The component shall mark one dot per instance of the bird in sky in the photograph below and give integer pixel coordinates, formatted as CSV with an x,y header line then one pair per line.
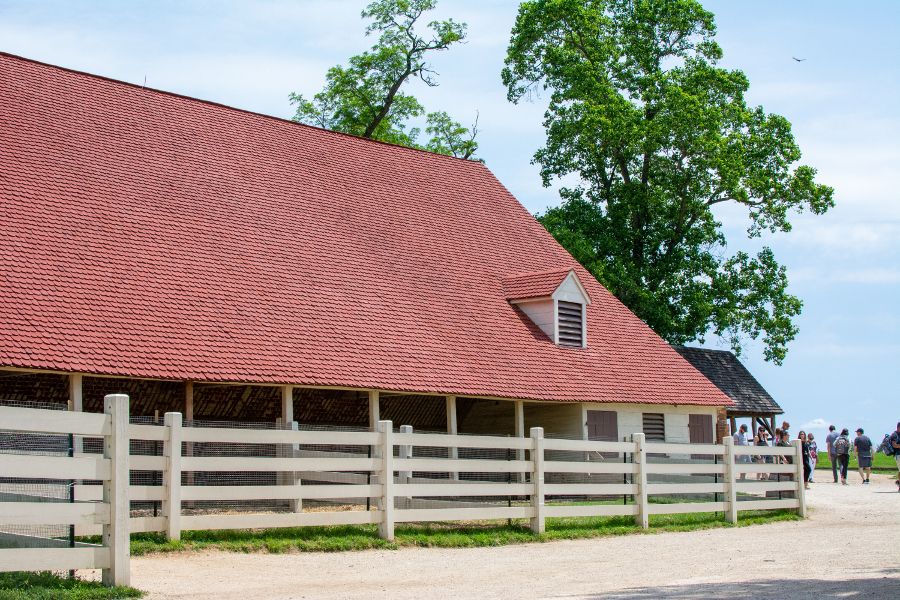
x,y
798,59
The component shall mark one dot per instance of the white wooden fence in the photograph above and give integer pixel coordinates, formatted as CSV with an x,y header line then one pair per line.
x,y
109,512
547,474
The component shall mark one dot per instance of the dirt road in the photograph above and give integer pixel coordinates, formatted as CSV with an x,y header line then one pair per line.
x,y
841,551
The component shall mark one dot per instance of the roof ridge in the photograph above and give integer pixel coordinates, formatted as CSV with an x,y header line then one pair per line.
x,y
234,108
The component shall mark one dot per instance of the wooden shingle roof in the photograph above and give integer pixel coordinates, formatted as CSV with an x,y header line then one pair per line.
x,y
149,235
728,374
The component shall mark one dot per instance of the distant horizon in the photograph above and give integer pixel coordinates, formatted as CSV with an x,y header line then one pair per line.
x,y
842,99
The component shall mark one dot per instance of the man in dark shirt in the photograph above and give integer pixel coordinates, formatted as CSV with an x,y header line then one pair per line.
x,y
829,443
862,445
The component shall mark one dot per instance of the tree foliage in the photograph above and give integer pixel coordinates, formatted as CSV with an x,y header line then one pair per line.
x,y
366,97
656,134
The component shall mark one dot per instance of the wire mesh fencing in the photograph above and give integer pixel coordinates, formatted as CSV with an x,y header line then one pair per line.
x,y
22,489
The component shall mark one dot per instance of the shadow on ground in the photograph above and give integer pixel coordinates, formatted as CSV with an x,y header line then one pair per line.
x,y
884,583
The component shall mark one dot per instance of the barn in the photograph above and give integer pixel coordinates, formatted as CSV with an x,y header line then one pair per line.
x,y
239,267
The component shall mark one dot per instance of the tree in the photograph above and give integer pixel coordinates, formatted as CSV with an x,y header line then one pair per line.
x,y
656,134
366,99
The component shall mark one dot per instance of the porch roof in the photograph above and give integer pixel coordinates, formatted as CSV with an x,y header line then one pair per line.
x,y
730,375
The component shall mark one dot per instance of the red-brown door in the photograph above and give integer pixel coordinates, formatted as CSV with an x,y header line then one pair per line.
x,y
700,429
603,425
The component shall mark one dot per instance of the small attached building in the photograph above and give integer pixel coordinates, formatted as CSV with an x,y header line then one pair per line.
x,y
236,266
751,400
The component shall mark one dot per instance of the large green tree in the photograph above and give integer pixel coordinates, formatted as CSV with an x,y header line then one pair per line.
x,y
655,135
366,97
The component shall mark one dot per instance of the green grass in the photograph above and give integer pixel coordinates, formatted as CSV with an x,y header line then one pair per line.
x,y
47,586
881,463
449,535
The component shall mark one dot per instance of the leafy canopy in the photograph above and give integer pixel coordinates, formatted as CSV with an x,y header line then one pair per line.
x,y
656,134
366,97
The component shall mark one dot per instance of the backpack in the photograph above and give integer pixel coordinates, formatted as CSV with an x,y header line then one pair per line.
x,y
886,446
841,446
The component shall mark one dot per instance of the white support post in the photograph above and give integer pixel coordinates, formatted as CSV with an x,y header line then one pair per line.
x,y
296,503
452,429
287,403
374,409
520,432
801,484
731,506
189,400
642,518
538,520
189,417
115,492
171,504
386,523
76,404
406,451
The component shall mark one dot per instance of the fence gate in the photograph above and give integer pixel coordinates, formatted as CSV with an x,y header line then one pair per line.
x,y
40,462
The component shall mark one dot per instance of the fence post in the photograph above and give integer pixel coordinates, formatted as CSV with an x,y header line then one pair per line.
x,y
642,518
115,492
386,524
731,506
801,483
538,520
172,475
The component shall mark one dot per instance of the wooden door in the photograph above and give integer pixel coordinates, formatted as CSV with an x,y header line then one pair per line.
x,y
700,428
603,425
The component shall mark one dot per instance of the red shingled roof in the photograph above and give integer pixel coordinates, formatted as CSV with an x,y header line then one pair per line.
x,y
533,285
151,235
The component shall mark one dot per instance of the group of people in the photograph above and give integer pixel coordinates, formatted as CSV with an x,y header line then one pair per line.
x,y
782,438
838,445
839,449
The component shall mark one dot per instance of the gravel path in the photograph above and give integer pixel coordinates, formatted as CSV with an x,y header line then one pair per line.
x,y
839,552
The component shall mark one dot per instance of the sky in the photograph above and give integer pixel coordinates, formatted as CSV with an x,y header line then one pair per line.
x,y
844,365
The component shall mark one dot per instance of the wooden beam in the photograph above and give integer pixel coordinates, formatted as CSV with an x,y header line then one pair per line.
x,y
452,429
520,418
451,415
287,403
76,398
520,432
374,410
189,400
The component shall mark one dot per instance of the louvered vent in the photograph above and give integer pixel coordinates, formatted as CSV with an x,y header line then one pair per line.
x,y
654,427
571,331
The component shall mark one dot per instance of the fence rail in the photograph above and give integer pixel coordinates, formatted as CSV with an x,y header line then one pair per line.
x,y
363,477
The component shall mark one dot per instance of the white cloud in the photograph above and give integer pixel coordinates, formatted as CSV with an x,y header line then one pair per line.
x,y
818,423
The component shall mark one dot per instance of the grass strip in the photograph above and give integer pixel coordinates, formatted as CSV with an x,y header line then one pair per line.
x,y
47,586
881,463
436,535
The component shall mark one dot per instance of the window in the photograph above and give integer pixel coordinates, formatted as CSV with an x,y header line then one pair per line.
x,y
570,323
654,427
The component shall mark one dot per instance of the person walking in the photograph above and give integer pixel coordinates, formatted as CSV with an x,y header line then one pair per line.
x,y
740,439
761,439
842,453
813,455
807,465
895,444
829,444
862,445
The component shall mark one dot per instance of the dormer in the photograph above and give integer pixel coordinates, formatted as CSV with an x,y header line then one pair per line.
x,y
555,301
